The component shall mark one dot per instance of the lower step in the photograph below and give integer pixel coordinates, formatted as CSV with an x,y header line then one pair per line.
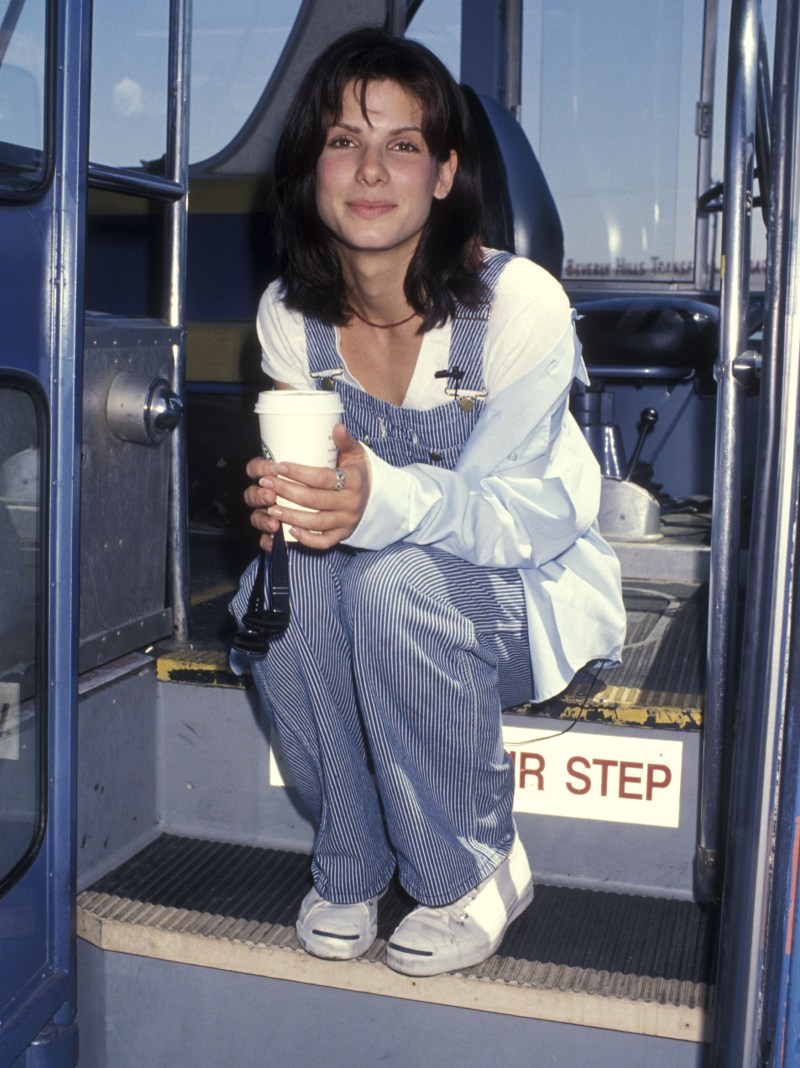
x,y
635,964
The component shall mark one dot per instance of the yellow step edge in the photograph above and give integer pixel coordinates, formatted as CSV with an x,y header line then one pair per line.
x,y
209,667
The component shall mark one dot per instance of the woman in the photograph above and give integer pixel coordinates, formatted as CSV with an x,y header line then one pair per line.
x,y
452,564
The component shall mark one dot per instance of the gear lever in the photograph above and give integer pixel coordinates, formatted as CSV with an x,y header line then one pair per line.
x,y
649,418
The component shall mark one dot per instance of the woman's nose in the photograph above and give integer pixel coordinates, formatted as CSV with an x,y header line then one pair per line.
x,y
371,165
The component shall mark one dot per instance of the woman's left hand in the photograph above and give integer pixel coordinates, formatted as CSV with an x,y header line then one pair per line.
x,y
336,512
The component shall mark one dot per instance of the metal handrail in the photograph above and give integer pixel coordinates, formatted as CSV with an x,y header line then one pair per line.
x,y
726,514
704,126
757,767
512,33
177,169
171,188
135,183
763,119
396,17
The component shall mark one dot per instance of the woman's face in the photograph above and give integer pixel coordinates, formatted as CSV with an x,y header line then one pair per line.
x,y
375,178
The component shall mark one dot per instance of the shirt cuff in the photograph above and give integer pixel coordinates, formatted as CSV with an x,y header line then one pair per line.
x,y
386,517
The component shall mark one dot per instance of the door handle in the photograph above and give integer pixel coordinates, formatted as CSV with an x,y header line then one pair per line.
x,y
142,409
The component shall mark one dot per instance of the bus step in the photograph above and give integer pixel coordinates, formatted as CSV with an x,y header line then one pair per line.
x,y
626,963
658,684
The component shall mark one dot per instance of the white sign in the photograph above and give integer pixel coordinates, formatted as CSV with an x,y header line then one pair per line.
x,y
596,776
583,776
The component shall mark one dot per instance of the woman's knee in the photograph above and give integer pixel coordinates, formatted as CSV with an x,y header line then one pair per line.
x,y
313,583
384,582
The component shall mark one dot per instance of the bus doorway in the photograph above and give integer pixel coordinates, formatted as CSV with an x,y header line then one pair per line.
x,y
191,852
43,153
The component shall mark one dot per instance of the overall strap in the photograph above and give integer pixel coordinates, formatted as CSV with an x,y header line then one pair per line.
x,y
466,342
469,331
324,362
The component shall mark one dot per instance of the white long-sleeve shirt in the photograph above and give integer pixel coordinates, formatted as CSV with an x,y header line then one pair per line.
x,y
525,492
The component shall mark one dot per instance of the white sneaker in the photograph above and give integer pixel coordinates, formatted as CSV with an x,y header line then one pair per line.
x,y
451,937
336,932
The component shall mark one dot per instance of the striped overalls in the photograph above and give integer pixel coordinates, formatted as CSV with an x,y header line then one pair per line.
x,y
386,689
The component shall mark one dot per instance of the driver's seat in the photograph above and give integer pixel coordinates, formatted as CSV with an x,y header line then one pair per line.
x,y
635,338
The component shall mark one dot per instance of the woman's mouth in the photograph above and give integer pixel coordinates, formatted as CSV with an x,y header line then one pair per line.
x,y
369,209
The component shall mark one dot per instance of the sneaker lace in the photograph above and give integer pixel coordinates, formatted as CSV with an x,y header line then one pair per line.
x,y
442,916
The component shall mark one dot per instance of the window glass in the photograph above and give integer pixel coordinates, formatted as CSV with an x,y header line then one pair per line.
x,y
437,24
235,46
21,703
129,82
758,233
23,36
609,89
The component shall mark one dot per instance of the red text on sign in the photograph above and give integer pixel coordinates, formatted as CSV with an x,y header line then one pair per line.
x,y
631,780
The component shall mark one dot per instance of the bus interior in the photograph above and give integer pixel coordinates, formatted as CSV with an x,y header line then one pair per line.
x,y
153,855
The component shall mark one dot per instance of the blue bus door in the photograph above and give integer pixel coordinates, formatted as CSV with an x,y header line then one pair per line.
x,y
44,48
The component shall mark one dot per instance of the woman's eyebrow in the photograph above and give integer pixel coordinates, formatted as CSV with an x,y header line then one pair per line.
x,y
391,133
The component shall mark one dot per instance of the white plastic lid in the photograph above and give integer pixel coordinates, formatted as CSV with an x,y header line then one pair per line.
x,y
296,401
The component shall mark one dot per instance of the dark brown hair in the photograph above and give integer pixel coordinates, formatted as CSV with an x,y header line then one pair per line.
x,y
443,270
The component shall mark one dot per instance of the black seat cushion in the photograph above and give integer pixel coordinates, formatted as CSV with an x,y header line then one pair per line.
x,y
643,331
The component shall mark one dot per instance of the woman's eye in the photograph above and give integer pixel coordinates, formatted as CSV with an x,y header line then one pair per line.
x,y
406,146
340,141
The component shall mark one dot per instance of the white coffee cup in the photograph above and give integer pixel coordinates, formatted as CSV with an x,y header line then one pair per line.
x,y
297,427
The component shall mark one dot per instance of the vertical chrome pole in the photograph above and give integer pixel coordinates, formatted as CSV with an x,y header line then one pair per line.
x,y
177,169
396,17
64,366
763,119
726,518
512,91
703,247
764,776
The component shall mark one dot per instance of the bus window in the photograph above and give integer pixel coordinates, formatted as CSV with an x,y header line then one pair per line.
x,y
22,96
437,25
21,604
608,102
129,79
758,252
235,47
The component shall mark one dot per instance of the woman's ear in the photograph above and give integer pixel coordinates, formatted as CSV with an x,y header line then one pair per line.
x,y
447,172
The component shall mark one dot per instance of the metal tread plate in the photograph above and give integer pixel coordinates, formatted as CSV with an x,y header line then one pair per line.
x,y
608,960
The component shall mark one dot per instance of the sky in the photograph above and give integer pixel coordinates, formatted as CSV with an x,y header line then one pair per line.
x,y
609,93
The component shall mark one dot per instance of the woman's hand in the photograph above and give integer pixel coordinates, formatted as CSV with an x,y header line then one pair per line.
x,y
336,512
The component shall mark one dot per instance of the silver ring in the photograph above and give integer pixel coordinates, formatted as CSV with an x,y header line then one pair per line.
x,y
339,479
